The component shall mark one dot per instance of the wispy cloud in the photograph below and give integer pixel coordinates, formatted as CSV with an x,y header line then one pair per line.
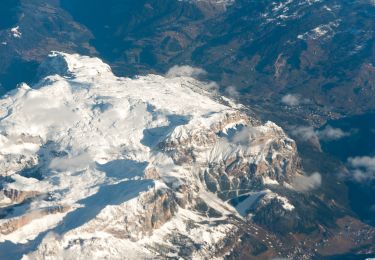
x,y
304,132
245,135
362,168
194,72
291,100
42,110
330,133
306,183
232,92
294,100
211,86
71,163
185,71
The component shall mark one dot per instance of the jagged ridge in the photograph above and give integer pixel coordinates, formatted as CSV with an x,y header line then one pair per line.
x,y
104,160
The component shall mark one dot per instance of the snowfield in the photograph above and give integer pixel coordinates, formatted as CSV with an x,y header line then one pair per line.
x,y
97,166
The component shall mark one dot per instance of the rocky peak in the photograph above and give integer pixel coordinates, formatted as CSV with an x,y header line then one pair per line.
x,y
132,159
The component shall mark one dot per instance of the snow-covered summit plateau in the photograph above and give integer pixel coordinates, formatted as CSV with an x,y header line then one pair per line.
x,y
93,165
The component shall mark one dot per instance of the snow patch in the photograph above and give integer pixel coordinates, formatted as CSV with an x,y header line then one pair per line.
x,y
15,31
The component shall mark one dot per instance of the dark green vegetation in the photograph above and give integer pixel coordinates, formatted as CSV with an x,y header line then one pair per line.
x,y
323,51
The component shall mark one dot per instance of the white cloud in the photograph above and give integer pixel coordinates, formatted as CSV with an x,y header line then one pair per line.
x,y
308,133
362,168
193,72
185,71
306,183
244,136
232,92
54,116
291,100
211,86
330,133
304,132
41,111
294,100
16,32
71,163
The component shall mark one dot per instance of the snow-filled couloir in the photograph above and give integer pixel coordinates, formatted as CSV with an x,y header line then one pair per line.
x,y
96,165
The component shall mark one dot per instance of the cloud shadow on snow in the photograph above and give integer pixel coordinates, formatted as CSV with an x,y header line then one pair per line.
x,y
153,136
123,169
108,195
112,194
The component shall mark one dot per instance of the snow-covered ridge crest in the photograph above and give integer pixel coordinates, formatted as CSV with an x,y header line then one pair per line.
x,y
74,65
94,160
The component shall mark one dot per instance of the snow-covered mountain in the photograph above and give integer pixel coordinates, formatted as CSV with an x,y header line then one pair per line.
x,y
93,165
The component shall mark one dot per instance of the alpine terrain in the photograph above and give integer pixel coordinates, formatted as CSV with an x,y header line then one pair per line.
x,y
187,129
97,165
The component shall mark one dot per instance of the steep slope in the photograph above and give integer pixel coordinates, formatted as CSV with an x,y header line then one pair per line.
x,y
93,165
89,159
29,30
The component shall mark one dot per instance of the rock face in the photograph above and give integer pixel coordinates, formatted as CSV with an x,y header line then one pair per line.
x,y
155,164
